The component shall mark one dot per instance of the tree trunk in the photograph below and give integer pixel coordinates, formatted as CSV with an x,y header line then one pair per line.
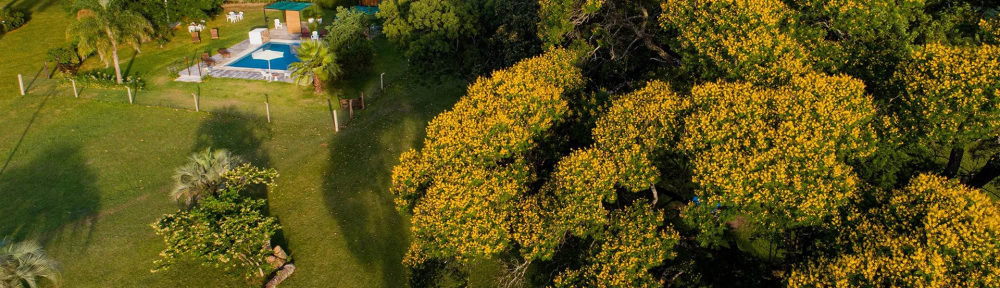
x,y
954,162
988,173
656,196
280,276
316,84
114,54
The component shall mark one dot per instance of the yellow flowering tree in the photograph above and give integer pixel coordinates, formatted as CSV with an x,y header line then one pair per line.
x,y
635,127
775,157
990,29
634,242
933,233
742,40
471,187
463,186
864,38
952,99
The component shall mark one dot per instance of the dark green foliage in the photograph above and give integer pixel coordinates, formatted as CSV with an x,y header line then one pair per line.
x,y
348,38
163,14
10,20
314,11
102,79
176,10
333,4
64,55
470,37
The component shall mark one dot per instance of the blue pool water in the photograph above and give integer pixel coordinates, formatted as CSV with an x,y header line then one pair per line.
x,y
276,64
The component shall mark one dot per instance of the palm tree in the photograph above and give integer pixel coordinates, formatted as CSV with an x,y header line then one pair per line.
x,y
318,62
22,263
104,26
203,175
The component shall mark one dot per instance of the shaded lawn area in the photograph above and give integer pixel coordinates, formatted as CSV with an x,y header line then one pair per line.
x,y
87,177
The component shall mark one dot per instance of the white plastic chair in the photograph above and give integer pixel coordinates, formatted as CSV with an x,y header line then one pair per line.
x,y
277,23
240,16
311,20
320,20
267,76
315,36
231,17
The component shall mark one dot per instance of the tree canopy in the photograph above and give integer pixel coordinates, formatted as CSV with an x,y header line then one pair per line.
x,y
933,233
677,137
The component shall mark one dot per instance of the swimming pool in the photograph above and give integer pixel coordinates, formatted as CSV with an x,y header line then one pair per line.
x,y
276,64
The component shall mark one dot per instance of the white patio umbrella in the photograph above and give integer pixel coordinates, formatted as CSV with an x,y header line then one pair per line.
x,y
267,55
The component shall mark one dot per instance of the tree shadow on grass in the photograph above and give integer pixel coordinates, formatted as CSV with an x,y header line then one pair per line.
x,y
243,134
358,176
53,190
239,132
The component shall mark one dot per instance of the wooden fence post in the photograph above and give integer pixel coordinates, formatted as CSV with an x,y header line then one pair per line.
x,y
268,107
199,68
362,100
381,81
75,94
196,107
336,124
350,105
47,75
129,94
188,60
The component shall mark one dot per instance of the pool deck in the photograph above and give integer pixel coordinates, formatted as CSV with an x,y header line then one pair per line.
x,y
221,70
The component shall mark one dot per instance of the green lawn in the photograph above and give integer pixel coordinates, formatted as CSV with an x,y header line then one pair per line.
x,y
87,176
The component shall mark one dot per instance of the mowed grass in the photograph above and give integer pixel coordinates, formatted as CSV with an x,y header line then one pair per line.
x,y
87,176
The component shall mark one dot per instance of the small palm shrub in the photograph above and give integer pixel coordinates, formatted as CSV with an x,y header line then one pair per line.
x,y
22,263
204,175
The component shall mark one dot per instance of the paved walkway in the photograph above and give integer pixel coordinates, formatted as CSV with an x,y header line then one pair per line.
x,y
237,51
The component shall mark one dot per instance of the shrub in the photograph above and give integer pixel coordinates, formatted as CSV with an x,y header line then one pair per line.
x,y
104,80
228,229
348,39
314,11
65,57
10,20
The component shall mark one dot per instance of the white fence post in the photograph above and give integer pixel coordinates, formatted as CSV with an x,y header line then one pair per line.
x,y
20,81
75,94
336,124
268,107
129,94
196,108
